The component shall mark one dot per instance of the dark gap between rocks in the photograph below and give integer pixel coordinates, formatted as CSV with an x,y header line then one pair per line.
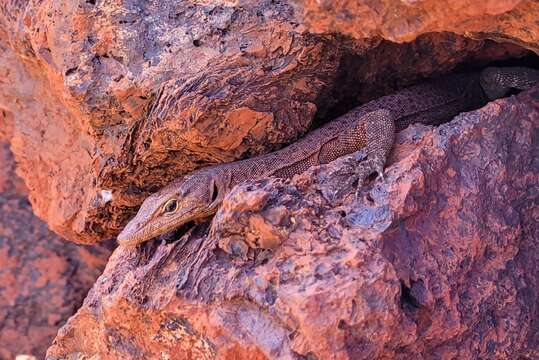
x,y
390,67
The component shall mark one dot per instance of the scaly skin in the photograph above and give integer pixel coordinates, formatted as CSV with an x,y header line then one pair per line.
x,y
370,127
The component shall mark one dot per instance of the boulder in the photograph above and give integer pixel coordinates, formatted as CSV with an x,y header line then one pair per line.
x,y
43,278
437,260
111,100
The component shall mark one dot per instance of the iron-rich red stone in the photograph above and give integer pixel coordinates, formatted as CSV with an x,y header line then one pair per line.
x,y
436,261
81,80
43,278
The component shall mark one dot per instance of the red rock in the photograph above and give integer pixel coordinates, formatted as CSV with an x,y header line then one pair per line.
x,y
82,79
104,102
43,278
436,261
402,21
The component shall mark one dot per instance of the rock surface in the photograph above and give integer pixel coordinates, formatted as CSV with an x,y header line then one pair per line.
x,y
501,20
439,260
43,278
104,102
110,100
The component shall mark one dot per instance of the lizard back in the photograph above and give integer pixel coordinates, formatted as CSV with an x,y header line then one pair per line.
x,y
429,103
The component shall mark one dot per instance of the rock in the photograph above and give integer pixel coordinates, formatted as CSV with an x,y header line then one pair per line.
x,y
438,260
111,100
103,79
43,278
400,21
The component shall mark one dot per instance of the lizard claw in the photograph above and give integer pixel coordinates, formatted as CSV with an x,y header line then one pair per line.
x,y
360,180
356,194
365,170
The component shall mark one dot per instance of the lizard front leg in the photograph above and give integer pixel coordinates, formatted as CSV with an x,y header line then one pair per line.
x,y
375,131
380,134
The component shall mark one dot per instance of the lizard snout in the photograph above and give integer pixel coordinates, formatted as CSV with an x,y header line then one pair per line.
x,y
128,235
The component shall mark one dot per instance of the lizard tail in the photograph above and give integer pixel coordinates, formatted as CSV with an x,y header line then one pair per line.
x,y
498,81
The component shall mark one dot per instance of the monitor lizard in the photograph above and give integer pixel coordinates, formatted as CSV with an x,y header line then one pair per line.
x,y
370,128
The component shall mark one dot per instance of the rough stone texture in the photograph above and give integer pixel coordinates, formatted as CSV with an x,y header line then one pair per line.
x,y
247,77
43,278
110,100
437,261
512,21
104,102
10,184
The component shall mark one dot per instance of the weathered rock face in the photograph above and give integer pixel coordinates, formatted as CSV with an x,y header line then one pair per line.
x,y
111,100
439,260
107,101
501,20
97,66
43,278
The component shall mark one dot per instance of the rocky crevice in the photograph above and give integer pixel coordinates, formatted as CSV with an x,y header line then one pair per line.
x,y
430,262
106,102
231,81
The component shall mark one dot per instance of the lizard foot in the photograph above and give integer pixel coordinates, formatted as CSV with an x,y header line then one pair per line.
x,y
372,165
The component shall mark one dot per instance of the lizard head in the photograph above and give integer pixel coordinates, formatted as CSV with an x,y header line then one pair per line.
x,y
186,199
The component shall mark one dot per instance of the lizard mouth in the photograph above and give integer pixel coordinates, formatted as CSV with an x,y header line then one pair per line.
x,y
136,233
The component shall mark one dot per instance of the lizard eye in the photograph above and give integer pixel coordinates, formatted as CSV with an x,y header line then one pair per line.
x,y
170,206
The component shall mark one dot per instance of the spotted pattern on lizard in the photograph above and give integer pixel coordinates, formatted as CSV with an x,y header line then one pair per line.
x,y
370,128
